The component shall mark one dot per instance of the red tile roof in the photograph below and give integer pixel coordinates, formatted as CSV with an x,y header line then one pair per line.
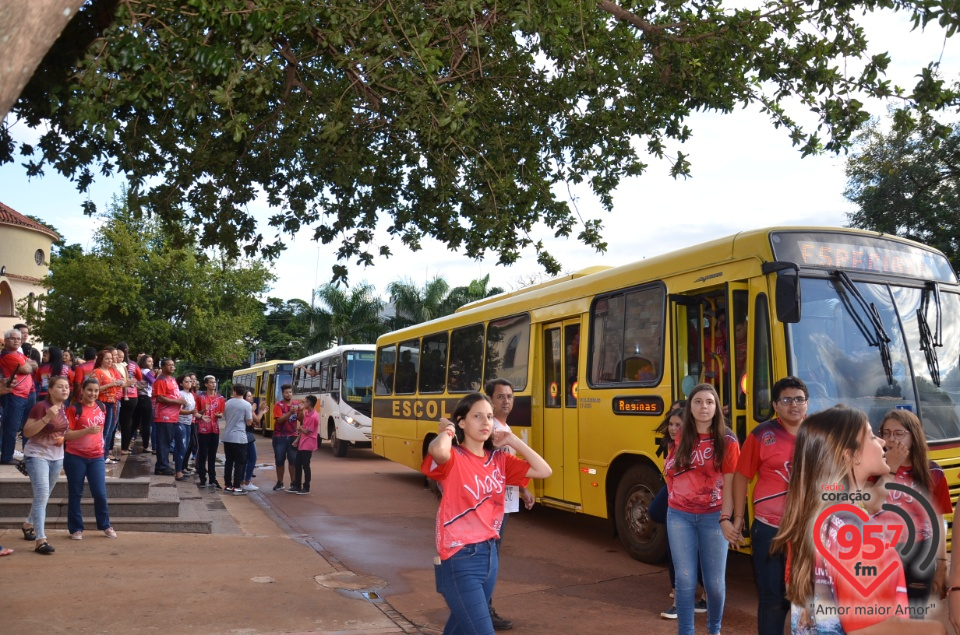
x,y
9,216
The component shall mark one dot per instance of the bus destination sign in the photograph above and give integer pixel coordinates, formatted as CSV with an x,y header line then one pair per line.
x,y
650,405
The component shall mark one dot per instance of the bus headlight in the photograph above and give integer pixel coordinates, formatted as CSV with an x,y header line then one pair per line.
x,y
352,421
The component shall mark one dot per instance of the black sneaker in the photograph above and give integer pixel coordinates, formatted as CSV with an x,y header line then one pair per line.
x,y
305,490
279,485
499,623
215,485
293,489
164,473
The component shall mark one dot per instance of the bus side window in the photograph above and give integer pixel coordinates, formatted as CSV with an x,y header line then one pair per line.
x,y
324,376
466,359
386,360
433,363
507,350
407,367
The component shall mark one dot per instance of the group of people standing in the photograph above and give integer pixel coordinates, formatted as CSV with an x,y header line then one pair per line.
x,y
798,463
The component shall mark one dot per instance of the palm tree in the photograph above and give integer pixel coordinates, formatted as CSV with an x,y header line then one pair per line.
x,y
478,289
345,317
413,305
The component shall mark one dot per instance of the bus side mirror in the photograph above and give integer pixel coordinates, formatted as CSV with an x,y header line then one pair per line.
x,y
787,294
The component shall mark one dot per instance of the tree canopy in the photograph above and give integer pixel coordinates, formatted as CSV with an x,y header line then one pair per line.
x,y
136,286
454,119
906,181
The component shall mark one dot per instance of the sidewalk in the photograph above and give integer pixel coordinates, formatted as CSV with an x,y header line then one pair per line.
x,y
252,578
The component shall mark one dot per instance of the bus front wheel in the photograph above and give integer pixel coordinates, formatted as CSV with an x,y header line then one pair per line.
x,y
644,539
339,447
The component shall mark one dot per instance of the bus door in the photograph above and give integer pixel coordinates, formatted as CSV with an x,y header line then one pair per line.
x,y
710,347
561,354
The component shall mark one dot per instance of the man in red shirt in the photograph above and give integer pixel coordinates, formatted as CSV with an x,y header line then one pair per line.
x,y
766,456
18,373
284,432
166,414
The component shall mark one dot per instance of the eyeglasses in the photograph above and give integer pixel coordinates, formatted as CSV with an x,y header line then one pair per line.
x,y
786,401
896,434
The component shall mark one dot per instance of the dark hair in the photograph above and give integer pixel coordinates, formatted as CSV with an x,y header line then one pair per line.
x,y
122,346
286,387
142,360
21,326
491,386
311,400
181,378
100,356
919,461
56,361
788,382
89,380
676,409
165,360
460,413
89,354
689,435
239,390
34,353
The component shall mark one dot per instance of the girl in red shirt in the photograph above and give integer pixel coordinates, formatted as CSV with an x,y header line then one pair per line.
x,y
906,455
473,475
699,473
111,384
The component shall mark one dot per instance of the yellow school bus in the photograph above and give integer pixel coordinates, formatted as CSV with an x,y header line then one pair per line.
x,y
265,380
597,357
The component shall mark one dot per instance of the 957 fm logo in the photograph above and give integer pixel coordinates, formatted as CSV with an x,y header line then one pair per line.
x,y
861,551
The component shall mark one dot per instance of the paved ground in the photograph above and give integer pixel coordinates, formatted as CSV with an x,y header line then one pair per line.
x,y
352,558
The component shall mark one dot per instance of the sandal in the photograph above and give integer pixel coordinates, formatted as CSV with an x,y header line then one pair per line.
x,y
28,533
45,548
5,552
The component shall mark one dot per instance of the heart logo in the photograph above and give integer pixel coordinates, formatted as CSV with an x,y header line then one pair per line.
x,y
838,566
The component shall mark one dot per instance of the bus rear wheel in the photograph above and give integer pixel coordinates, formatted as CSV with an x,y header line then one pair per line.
x,y
644,539
339,447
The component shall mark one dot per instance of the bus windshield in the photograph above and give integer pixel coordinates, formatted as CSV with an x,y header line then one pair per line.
x,y
838,349
357,386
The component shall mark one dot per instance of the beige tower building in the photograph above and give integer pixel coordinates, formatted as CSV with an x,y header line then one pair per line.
x,y
24,261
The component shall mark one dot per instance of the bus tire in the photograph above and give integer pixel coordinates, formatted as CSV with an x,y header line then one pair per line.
x,y
339,447
643,539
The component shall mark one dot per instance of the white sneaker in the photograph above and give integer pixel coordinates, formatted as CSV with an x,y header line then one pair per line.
x,y
17,454
249,488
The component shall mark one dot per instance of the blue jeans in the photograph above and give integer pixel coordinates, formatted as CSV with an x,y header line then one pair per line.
x,y
251,458
769,570
43,476
110,419
283,451
165,434
700,538
14,409
180,438
467,579
78,468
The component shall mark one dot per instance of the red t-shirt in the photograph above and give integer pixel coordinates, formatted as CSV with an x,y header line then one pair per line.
x,y
42,378
88,446
108,394
10,362
209,407
832,589
133,372
768,451
939,498
166,387
285,428
471,509
698,489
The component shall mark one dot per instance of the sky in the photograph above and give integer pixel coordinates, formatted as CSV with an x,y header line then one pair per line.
x,y
745,175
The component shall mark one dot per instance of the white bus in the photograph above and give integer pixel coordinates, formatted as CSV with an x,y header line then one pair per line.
x,y
341,379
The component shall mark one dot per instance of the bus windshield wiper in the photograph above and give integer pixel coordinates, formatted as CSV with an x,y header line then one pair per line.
x,y
868,314
928,342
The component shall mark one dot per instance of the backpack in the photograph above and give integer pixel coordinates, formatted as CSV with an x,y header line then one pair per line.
x,y
79,407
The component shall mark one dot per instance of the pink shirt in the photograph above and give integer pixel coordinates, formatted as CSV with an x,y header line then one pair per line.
x,y
471,509
311,424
